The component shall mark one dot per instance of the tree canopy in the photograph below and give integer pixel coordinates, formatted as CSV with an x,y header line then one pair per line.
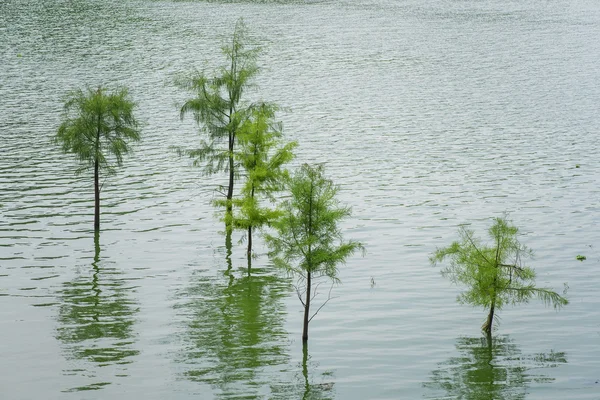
x,y
97,127
218,107
262,156
309,242
493,274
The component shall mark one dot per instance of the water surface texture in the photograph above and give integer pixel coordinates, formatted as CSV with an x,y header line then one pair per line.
x,y
429,114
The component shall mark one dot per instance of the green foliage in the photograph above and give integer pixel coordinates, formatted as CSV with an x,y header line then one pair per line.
x,y
309,243
98,127
581,258
218,109
262,156
309,239
493,274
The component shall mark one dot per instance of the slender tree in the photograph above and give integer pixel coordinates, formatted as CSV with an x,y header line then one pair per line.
x,y
309,243
97,128
218,108
494,274
262,156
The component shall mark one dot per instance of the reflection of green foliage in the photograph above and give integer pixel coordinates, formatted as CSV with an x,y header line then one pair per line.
x,y
96,319
235,330
490,371
304,386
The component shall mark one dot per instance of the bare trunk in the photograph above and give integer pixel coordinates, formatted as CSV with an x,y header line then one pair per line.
x,y
229,210
96,197
97,175
249,241
487,327
306,310
250,229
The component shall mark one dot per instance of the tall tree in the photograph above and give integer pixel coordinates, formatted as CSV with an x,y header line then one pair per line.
x,y
494,274
309,243
97,128
219,110
262,156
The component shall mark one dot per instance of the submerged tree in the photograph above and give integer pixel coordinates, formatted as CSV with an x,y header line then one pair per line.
x,y
97,128
309,244
494,274
262,156
218,108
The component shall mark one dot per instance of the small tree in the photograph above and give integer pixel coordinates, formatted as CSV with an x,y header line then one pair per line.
x,y
494,275
217,107
262,157
309,244
97,127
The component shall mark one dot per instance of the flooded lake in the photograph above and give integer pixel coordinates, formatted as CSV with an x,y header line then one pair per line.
x,y
429,114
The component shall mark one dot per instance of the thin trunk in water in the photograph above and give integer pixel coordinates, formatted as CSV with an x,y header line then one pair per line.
x,y
250,229
96,197
487,327
249,241
306,310
309,267
97,175
229,211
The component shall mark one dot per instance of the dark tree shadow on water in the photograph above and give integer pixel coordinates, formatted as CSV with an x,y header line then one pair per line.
x,y
234,336
96,319
491,369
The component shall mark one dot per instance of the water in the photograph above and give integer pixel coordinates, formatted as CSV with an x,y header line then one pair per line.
x,y
429,114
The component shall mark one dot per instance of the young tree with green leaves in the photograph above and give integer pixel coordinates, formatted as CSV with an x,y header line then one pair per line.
x,y
219,110
97,128
309,243
262,156
494,274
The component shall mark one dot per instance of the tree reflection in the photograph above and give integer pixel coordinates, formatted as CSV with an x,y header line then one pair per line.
x,y
491,369
305,385
235,329
96,319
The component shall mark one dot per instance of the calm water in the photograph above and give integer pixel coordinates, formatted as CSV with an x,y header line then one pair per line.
x,y
429,113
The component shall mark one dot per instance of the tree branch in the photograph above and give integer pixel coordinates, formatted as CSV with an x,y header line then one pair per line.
x,y
323,305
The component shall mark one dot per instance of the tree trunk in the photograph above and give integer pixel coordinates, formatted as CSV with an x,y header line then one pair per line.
x,y
229,211
96,196
249,241
306,310
487,327
250,229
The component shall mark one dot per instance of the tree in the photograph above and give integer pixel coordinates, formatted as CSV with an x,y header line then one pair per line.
x,y
97,128
217,107
309,243
262,157
494,274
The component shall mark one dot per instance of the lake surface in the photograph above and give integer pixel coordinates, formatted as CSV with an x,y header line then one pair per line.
x,y
429,114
